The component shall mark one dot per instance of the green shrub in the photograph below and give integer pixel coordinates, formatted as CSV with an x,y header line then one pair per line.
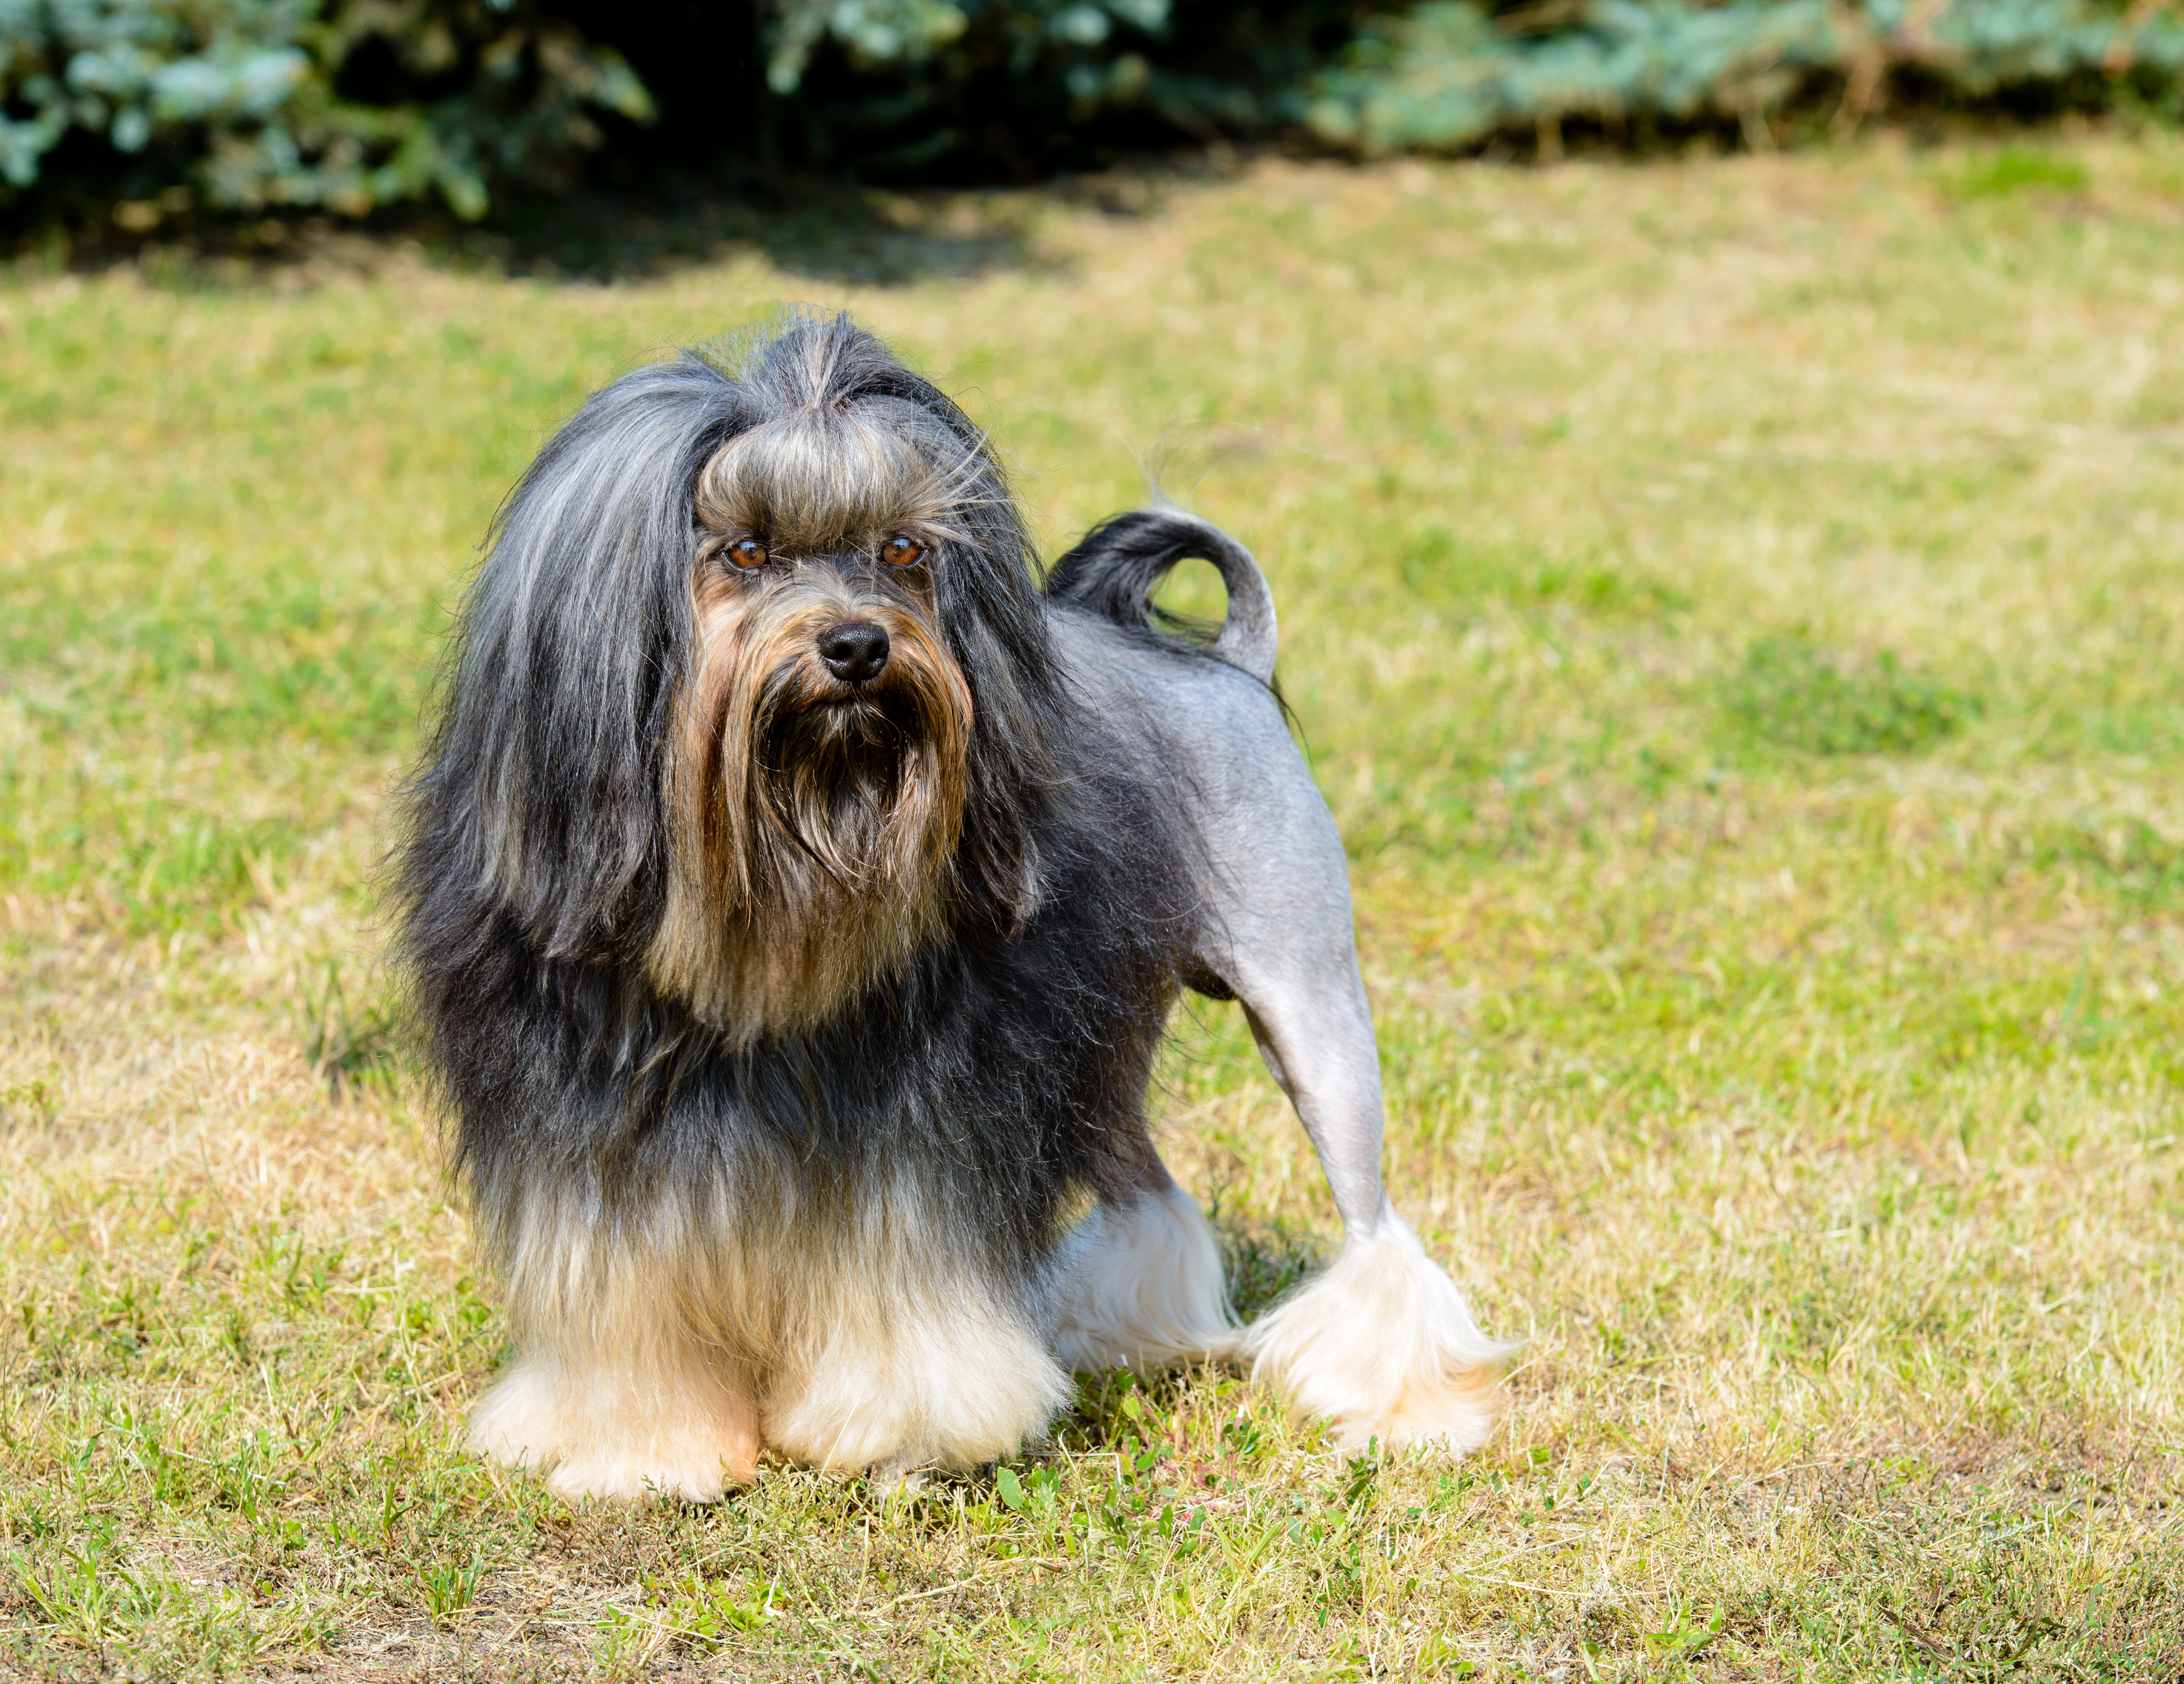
x,y
342,105
1019,87
1449,73
153,106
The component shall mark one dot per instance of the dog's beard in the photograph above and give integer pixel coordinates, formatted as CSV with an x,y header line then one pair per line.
x,y
838,776
814,821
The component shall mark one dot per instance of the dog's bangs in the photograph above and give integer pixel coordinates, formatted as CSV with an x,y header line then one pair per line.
x,y
822,478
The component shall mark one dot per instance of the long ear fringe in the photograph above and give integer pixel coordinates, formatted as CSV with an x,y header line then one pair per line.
x,y
1383,1346
541,789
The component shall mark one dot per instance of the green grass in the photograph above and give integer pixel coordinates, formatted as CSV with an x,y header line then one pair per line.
x,y
1737,611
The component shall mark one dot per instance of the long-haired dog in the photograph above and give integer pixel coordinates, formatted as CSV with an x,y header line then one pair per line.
x,y
795,893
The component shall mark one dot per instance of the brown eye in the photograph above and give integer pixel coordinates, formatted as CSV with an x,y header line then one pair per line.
x,y
900,552
746,553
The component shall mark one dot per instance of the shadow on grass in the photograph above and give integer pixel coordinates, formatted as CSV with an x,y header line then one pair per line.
x,y
824,232
1263,1261
835,234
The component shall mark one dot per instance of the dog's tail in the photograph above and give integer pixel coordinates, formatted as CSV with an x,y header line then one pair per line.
x,y
1116,566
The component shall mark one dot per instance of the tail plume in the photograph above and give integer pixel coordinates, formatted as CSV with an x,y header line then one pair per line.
x,y
1116,566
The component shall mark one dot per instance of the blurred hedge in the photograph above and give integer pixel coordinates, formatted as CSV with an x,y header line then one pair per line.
x,y
341,104
151,107
1448,74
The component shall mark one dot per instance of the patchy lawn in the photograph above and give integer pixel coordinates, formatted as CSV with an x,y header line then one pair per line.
x,y
1736,610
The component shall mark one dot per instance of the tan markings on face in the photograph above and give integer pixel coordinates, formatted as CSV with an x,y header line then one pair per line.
x,y
813,822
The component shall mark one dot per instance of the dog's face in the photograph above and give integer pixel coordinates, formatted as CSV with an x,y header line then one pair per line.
x,y
754,694
816,775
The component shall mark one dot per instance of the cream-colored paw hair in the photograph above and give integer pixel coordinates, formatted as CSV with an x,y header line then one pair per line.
x,y
906,1381
671,1431
1142,1287
1383,1345
615,1393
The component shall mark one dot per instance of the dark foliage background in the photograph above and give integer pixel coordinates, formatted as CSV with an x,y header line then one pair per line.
x,y
143,110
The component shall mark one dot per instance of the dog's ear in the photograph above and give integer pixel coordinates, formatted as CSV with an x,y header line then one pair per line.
x,y
541,795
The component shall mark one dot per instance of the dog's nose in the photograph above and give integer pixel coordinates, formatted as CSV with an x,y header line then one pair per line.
x,y
855,651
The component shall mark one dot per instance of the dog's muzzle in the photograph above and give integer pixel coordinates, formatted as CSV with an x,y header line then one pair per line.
x,y
855,651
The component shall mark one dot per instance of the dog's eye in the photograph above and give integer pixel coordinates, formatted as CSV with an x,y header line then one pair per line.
x,y
746,553
900,552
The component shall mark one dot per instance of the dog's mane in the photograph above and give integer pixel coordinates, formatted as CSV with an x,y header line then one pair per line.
x,y
533,868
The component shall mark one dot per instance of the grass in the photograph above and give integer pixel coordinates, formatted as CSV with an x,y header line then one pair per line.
x,y
1734,609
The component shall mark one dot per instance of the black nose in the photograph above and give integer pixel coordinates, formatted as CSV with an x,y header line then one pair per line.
x,y
855,651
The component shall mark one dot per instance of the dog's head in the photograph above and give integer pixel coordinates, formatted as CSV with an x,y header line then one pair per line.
x,y
755,695
818,768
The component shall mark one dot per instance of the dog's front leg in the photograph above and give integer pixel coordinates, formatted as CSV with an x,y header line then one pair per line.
x,y
611,1395
1381,1343
624,1428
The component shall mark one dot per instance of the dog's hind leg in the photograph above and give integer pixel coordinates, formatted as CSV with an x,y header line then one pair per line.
x,y
1140,1283
1381,1343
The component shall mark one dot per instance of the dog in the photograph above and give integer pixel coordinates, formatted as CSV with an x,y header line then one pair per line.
x,y
794,892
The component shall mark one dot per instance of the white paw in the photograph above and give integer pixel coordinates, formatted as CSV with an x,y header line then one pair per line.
x,y
638,1479
603,1436
915,1382
1143,1288
1382,1346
